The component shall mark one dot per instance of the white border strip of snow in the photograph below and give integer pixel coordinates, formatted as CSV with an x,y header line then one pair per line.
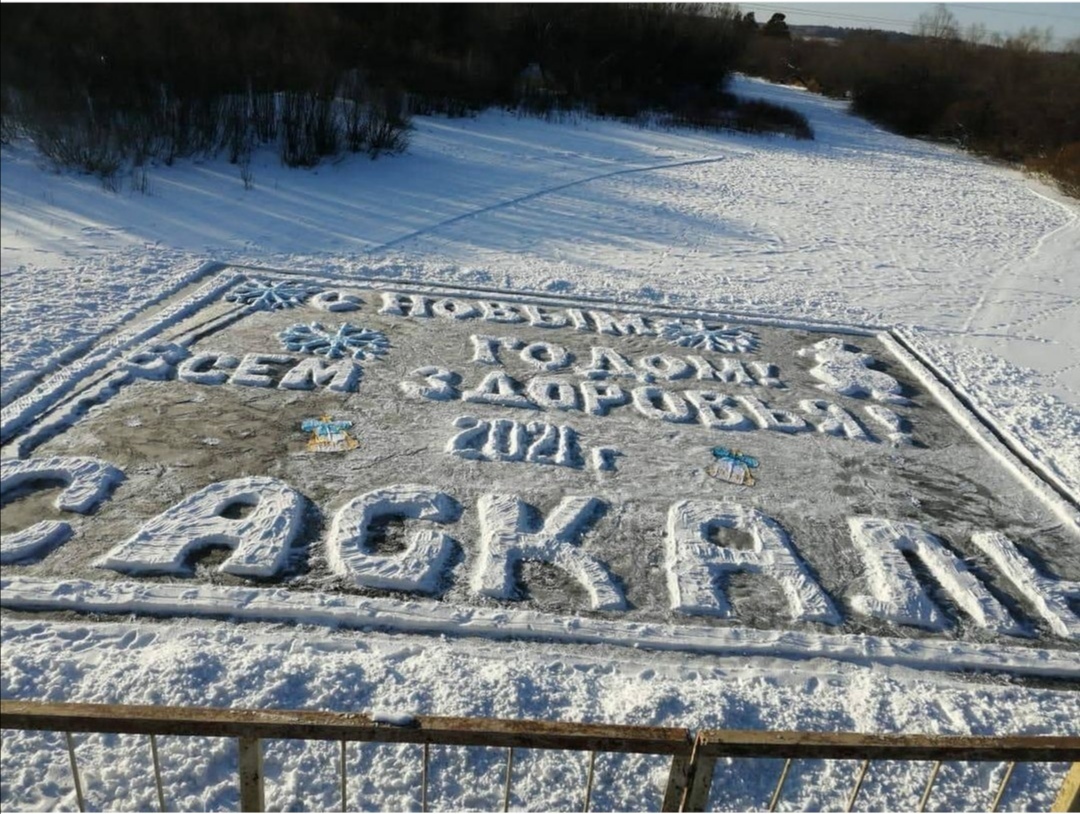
x,y
73,351
24,410
424,616
997,441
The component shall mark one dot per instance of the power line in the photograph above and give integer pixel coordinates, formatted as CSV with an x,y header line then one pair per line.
x,y
903,25
830,14
1001,10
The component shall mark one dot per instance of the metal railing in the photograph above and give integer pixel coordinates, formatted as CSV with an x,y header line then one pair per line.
x,y
689,777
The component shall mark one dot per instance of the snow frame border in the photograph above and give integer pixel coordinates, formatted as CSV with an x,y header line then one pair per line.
x,y
63,397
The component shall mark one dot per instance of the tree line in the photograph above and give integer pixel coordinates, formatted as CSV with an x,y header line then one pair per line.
x,y
101,86
98,86
1009,99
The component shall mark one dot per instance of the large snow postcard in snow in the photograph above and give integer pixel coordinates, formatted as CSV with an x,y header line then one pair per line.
x,y
273,446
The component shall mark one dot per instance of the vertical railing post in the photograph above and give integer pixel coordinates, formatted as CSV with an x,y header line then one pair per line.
x,y
589,781
1001,789
676,783
75,771
424,777
1068,798
701,770
858,785
509,771
344,778
157,773
251,775
775,799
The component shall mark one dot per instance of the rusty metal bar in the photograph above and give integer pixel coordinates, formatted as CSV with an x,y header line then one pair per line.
x,y
344,778
157,773
678,777
589,781
313,725
1004,782
690,776
856,746
251,775
424,777
509,769
858,785
779,785
75,771
1068,798
929,785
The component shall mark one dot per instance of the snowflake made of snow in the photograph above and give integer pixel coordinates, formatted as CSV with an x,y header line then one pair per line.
x,y
696,334
265,294
348,340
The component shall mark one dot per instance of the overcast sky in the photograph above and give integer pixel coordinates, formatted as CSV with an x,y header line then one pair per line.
x,y
1004,18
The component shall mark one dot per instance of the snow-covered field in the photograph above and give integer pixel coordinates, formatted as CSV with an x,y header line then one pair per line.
x,y
976,262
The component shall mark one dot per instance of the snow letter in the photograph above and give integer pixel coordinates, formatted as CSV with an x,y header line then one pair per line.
x,y
418,567
505,541
260,540
659,405
340,376
1049,596
88,481
844,369
207,368
768,418
694,562
896,594
833,419
497,388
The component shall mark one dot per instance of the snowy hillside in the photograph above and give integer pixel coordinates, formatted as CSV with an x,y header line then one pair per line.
x,y
976,263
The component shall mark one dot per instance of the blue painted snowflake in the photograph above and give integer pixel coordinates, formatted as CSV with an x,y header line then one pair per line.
x,y
348,340
265,294
696,334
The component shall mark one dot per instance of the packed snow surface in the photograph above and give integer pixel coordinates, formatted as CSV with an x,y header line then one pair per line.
x,y
978,263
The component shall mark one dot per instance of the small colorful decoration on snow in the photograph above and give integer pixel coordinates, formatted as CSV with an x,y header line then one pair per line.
x,y
732,466
328,435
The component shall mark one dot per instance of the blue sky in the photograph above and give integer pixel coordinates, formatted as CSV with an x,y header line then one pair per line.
x,y
1004,18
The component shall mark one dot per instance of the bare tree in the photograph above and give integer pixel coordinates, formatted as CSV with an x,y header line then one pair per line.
x,y
976,34
939,24
1031,39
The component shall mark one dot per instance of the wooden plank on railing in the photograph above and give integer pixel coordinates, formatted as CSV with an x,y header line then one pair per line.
x,y
312,725
1068,798
852,746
